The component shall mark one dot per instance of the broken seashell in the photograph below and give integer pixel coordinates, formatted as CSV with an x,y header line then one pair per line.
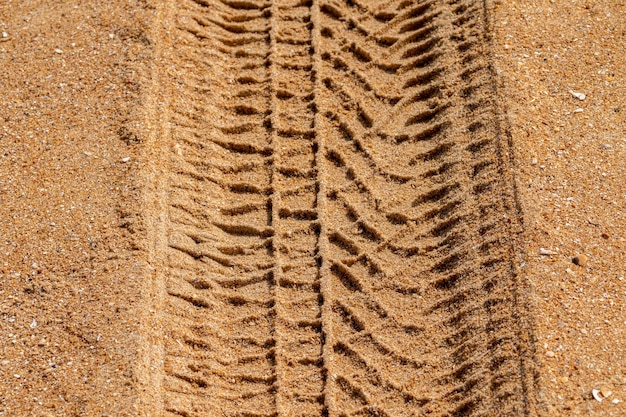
x,y
579,96
601,394
543,251
596,394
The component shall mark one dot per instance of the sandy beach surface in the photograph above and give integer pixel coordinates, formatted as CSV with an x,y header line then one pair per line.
x,y
312,208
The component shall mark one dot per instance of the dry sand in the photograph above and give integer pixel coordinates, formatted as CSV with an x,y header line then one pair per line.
x,y
571,161
312,208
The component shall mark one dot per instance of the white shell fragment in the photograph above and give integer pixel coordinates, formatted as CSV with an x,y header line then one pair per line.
x,y
579,96
547,252
596,395
601,394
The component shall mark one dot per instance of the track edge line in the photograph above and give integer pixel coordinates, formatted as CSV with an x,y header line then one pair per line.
x,y
149,370
524,291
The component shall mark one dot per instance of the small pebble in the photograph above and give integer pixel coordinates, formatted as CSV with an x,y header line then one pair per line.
x,y
550,354
533,161
578,110
5,35
33,324
111,35
580,260
58,51
127,159
579,96
605,146
605,390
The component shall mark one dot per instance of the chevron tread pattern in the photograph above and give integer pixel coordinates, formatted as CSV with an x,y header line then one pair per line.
x,y
338,213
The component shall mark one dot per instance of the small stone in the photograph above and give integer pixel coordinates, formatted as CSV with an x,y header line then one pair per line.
x,y
606,146
579,96
605,390
547,252
18,376
578,110
127,159
580,260
111,35
33,324
550,354
5,35
563,379
533,161
58,51
615,401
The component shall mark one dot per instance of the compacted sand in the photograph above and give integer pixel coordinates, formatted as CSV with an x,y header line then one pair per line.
x,y
312,208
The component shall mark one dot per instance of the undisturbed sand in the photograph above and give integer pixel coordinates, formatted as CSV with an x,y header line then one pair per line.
x,y
214,208
571,160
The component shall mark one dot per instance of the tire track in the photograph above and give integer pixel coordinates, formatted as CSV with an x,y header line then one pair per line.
x,y
418,200
220,308
338,213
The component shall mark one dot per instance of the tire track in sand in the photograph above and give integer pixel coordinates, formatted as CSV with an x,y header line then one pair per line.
x,y
338,214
